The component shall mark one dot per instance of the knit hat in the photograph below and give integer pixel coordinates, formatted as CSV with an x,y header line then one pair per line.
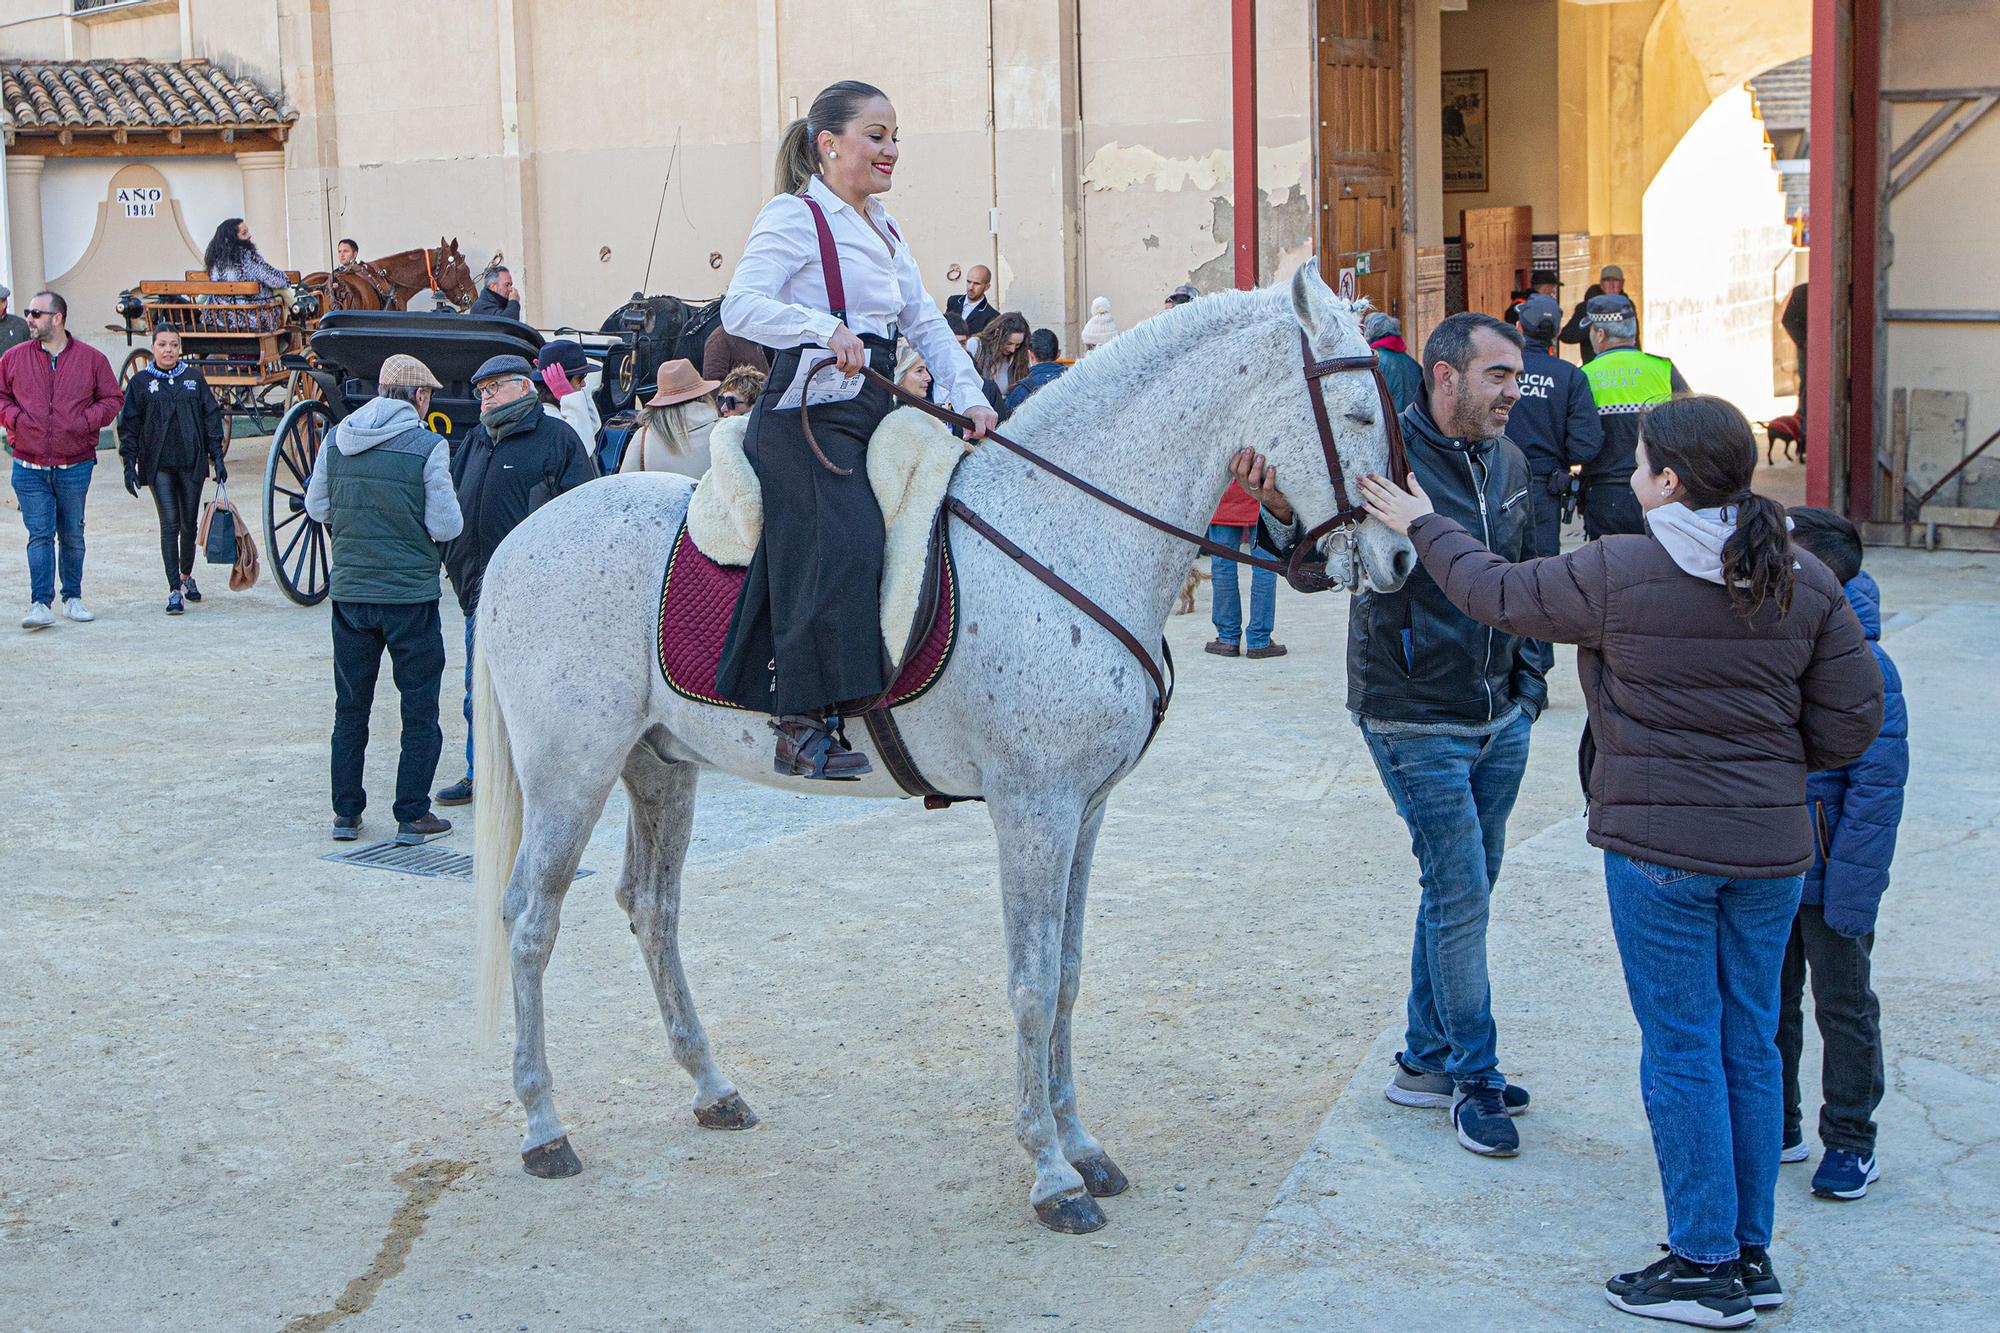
x,y
1381,324
403,371
1100,328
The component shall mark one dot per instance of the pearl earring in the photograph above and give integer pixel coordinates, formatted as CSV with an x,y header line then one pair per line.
x,y
834,153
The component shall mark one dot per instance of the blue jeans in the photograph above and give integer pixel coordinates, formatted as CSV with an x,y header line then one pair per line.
x,y
52,508
1454,793
1703,955
471,619
1227,604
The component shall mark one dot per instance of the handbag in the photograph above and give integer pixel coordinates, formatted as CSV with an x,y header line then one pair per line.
x,y
219,525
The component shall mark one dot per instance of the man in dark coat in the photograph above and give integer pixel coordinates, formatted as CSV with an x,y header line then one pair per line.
x,y
498,297
13,329
1044,365
1555,423
970,311
515,461
1610,282
1406,378
1445,705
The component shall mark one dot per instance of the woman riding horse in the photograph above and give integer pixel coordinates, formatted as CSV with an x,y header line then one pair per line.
x,y
826,270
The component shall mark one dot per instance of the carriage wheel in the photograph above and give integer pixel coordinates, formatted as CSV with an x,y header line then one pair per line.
x,y
136,362
619,366
268,403
295,546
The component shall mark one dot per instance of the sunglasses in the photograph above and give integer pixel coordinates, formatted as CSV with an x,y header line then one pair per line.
x,y
32,313
729,402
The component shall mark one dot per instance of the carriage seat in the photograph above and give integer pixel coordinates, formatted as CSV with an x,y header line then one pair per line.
x,y
911,458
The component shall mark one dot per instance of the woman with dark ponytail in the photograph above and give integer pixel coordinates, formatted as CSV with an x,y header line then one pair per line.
x,y
826,273
1719,665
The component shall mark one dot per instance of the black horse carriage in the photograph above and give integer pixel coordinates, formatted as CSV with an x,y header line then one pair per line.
x,y
348,349
643,333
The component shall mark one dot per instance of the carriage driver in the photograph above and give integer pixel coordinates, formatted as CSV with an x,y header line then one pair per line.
x,y
826,269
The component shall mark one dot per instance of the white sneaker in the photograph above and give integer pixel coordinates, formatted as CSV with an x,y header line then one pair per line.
x,y
39,617
77,611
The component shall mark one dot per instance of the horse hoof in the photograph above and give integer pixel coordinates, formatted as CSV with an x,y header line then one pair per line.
x,y
1071,1214
732,1112
552,1161
1101,1176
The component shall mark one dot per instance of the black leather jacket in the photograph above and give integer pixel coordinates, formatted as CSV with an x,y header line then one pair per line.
x,y
1411,655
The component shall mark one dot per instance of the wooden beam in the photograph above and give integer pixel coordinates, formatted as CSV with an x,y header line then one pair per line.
x,y
1243,118
1826,306
1943,142
148,143
1936,94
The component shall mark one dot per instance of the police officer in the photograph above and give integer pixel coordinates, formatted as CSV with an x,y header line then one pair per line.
x,y
1555,423
1625,382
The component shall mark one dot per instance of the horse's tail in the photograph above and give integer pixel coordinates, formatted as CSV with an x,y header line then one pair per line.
x,y
496,839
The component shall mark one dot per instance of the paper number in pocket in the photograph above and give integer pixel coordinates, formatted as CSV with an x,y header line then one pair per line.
x,y
829,386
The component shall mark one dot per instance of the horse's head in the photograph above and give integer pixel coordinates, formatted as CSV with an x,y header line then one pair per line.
x,y
1367,553
454,275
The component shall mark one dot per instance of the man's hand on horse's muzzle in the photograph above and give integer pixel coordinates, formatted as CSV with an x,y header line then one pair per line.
x,y
1259,476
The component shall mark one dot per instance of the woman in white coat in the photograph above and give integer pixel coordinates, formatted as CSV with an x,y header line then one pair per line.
x,y
673,431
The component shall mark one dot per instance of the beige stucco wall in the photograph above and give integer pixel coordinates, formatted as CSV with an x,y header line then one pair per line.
x,y
1934,245
1718,257
1514,41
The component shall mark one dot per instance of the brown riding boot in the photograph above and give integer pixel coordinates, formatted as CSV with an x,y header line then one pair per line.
x,y
809,747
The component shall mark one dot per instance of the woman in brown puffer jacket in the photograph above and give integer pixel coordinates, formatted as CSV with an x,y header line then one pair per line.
x,y
1720,665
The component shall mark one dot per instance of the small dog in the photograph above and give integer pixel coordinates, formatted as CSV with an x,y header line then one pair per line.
x,y
1789,432
1197,575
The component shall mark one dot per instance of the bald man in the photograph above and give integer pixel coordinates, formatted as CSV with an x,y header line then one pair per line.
x,y
972,312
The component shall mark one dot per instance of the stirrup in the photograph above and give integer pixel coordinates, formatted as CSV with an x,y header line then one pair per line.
x,y
815,748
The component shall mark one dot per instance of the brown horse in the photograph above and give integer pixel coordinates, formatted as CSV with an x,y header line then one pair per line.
x,y
389,283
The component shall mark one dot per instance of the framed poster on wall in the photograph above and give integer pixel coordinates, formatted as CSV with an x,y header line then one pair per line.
x,y
1465,131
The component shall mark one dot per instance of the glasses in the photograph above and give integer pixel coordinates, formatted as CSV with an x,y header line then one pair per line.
x,y
33,313
491,387
729,402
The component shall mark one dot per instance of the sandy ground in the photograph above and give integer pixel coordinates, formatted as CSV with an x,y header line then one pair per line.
x,y
241,1090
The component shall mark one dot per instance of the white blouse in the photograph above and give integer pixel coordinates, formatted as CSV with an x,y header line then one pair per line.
x,y
778,296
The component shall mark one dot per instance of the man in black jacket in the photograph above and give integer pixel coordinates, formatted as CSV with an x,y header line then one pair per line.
x,y
517,460
1555,423
971,311
1445,705
498,297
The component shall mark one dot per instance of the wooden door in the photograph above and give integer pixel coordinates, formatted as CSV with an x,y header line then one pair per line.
x,y
1360,103
1499,254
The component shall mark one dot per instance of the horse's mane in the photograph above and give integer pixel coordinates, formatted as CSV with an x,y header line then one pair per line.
x,y
1149,341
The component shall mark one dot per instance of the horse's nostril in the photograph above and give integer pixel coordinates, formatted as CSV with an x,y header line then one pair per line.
x,y
1405,563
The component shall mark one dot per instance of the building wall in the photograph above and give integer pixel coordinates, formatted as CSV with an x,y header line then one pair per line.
x,y
1718,257
1514,41
208,190
1935,247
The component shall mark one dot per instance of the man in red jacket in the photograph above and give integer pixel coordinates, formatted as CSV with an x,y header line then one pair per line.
x,y
56,394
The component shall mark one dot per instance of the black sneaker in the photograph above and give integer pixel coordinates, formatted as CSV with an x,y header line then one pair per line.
x,y
1759,1279
174,607
1412,1087
420,830
346,828
458,793
1708,1296
1479,1114
188,590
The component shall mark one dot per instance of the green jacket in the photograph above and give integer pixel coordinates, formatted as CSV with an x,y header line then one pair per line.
x,y
1625,381
382,486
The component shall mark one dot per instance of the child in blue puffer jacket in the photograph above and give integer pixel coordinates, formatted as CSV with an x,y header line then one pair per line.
x,y
1855,811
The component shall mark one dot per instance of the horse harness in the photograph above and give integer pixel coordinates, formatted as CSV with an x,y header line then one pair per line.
x,y
1304,574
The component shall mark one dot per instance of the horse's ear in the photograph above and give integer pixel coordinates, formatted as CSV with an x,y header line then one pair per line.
x,y
454,243
1312,300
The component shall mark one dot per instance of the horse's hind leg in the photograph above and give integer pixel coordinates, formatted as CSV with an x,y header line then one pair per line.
x,y
1037,836
553,835
1101,1175
656,843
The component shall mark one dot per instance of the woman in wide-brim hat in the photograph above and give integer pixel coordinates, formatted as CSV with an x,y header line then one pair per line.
x,y
674,425
826,273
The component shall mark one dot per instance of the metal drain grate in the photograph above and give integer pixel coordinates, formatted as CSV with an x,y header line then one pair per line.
x,y
426,859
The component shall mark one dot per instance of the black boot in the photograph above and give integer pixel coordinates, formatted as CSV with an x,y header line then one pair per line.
x,y
810,747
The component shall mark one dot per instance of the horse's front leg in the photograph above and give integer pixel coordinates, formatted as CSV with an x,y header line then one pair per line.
x,y
1037,833
1101,1175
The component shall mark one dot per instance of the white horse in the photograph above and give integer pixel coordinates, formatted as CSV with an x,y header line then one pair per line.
x,y
1040,711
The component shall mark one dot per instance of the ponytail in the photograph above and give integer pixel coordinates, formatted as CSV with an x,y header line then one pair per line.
x,y
798,158
1757,558
798,147
1708,444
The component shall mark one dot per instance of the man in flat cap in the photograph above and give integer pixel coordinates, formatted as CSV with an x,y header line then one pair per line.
x,y
517,460
13,329
382,486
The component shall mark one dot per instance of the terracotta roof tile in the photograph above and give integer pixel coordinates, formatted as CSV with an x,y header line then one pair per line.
x,y
139,94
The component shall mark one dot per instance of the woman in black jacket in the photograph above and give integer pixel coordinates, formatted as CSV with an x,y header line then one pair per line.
x,y
170,432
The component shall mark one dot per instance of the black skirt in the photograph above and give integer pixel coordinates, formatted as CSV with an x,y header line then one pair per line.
x,y
807,631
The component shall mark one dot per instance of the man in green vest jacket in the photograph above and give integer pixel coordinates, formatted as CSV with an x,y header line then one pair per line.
x,y
382,486
1625,382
